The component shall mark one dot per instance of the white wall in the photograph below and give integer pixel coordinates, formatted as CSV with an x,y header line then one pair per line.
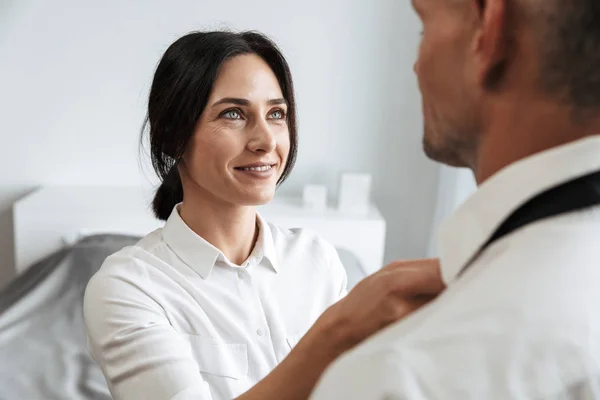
x,y
454,187
74,77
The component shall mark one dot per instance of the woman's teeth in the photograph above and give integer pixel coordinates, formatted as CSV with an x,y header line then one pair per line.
x,y
261,169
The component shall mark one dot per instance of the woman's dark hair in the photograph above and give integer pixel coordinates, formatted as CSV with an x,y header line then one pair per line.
x,y
182,84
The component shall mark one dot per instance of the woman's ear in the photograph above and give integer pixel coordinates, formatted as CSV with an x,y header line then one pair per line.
x,y
181,166
182,169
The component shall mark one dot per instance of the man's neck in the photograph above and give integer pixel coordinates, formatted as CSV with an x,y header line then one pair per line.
x,y
521,129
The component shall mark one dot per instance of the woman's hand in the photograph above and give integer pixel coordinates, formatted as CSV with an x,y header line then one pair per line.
x,y
379,300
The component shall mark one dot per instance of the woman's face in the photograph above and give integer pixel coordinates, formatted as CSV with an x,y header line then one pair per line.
x,y
241,141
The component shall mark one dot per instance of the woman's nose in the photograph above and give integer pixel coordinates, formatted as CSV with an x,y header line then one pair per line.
x,y
263,139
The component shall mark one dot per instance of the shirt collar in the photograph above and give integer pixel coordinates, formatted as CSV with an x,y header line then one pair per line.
x,y
475,221
265,245
201,256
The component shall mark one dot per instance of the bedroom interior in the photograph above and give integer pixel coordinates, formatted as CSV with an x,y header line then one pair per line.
x,y
74,187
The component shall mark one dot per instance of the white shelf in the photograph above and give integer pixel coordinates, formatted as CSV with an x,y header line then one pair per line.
x,y
49,215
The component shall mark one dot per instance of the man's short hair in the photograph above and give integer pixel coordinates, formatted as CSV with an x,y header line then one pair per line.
x,y
569,38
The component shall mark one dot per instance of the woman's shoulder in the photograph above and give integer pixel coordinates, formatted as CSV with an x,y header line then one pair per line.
x,y
302,241
130,272
308,248
134,259
298,236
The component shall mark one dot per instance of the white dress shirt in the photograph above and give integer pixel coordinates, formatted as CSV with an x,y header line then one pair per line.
x,y
172,318
521,322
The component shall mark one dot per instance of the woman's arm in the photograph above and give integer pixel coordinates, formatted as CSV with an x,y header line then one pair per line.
x,y
377,301
298,373
141,355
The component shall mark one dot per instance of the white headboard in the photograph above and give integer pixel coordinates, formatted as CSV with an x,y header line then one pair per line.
x,y
50,217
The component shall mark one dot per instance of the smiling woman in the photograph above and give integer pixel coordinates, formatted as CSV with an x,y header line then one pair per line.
x,y
234,96
210,304
241,142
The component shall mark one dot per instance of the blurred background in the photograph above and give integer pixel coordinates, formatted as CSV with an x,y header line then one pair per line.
x,y
74,78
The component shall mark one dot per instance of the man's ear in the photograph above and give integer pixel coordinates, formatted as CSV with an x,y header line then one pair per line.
x,y
479,5
491,41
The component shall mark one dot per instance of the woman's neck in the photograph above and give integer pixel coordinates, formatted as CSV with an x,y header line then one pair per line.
x,y
230,228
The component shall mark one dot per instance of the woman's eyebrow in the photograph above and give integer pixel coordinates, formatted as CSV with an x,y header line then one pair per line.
x,y
245,102
232,100
280,100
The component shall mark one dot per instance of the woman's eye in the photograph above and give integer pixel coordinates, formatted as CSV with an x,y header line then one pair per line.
x,y
278,114
232,114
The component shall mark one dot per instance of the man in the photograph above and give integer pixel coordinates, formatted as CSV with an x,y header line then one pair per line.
x,y
511,89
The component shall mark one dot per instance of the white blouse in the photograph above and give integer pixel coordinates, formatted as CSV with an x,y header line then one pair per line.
x,y
172,318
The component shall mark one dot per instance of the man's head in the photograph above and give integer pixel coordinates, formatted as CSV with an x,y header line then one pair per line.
x,y
478,57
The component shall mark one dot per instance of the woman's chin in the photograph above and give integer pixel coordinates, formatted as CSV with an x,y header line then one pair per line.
x,y
258,198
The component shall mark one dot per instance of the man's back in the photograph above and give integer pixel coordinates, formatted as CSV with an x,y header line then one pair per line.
x,y
511,90
521,320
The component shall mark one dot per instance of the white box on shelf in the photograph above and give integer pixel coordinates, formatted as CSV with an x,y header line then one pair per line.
x,y
315,197
355,193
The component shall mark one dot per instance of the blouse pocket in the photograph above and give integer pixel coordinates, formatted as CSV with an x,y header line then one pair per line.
x,y
223,359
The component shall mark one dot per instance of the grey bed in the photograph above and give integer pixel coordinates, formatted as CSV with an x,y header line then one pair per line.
x,y
43,353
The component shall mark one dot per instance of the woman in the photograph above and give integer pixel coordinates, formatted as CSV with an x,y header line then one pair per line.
x,y
209,305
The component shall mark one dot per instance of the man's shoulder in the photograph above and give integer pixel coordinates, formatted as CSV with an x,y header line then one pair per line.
x,y
525,304
567,243
472,352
